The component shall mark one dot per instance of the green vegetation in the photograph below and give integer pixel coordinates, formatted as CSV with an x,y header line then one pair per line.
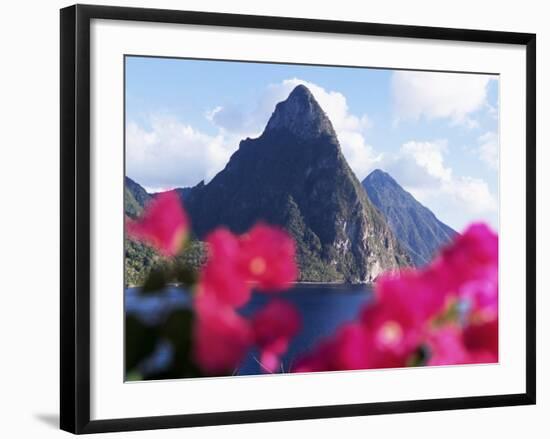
x,y
308,248
141,260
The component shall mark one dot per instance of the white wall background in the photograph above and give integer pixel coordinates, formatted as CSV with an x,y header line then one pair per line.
x,y
29,170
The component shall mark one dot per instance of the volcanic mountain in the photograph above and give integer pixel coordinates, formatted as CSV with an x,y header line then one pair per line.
x,y
414,225
294,175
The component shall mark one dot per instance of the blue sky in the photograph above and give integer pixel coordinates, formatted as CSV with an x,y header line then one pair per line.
x,y
435,133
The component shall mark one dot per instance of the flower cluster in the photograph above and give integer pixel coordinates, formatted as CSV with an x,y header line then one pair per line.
x,y
164,224
445,313
262,259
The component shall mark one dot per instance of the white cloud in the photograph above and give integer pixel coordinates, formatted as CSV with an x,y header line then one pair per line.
x,y
350,128
488,148
173,154
437,95
211,114
421,169
472,194
429,156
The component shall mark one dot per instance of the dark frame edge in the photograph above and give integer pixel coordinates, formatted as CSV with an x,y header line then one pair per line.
x,y
304,413
531,199
303,24
68,388
75,219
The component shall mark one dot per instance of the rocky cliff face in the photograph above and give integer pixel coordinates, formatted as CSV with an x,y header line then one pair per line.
x,y
295,175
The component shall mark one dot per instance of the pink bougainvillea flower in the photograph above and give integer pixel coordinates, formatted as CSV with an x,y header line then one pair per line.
x,y
270,362
418,308
268,258
273,327
278,319
353,347
481,296
221,336
163,224
221,276
446,347
477,343
415,295
407,301
264,257
473,255
391,330
481,341
404,304
469,269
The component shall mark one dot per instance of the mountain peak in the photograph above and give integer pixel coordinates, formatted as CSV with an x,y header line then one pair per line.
x,y
378,175
300,114
301,90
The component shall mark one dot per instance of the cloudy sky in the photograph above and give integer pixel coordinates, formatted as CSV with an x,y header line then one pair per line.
x,y
435,133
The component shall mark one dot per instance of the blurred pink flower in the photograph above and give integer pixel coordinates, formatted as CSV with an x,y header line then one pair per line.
x,y
477,343
482,297
445,346
348,349
221,336
221,276
268,257
163,224
471,267
404,304
270,362
274,326
264,257
417,308
481,341
473,255
353,347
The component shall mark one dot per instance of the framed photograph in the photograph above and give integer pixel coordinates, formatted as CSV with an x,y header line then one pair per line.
x,y
268,218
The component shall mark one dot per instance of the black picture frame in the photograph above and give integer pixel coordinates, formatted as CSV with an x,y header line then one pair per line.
x,y
75,217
